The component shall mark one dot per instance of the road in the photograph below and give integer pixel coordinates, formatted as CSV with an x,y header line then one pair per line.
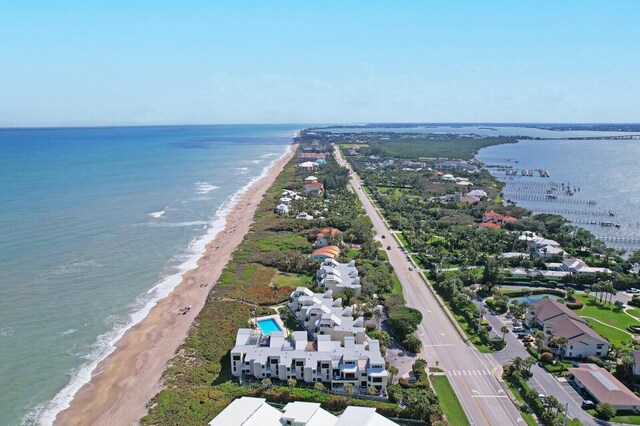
x,y
472,375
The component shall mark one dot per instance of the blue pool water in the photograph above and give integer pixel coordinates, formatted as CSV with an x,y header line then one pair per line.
x,y
535,298
268,326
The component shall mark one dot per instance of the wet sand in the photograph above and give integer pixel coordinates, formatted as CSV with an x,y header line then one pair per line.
x,y
123,383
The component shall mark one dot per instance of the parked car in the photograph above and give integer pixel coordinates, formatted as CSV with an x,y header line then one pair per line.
x,y
509,315
587,404
410,268
633,291
522,335
388,247
528,338
518,329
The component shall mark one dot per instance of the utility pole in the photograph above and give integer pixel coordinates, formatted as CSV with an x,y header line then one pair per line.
x,y
566,413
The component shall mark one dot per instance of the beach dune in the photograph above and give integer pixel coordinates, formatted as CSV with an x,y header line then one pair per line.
x,y
123,383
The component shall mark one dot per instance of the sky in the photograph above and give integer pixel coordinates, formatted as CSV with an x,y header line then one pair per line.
x,y
84,63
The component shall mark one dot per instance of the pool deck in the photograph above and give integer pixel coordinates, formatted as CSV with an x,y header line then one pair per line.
x,y
278,321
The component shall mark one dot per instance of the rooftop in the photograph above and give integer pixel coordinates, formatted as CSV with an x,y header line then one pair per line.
x,y
603,386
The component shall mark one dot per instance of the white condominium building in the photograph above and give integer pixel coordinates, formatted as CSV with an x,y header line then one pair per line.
x,y
334,363
338,277
320,314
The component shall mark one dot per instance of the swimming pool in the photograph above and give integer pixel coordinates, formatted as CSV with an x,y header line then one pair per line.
x,y
268,326
535,297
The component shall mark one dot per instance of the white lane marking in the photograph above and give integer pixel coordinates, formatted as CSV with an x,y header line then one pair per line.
x,y
489,396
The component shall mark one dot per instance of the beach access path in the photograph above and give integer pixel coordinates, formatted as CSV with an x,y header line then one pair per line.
x,y
476,378
125,381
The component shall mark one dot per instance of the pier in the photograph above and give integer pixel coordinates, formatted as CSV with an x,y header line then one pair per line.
x,y
544,198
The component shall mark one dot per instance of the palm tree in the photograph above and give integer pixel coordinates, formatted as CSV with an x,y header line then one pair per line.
x,y
561,342
528,363
276,287
504,330
392,372
517,365
348,387
377,314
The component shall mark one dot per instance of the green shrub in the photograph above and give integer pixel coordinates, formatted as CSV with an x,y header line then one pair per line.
x,y
404,320
605,411
412,343
546,358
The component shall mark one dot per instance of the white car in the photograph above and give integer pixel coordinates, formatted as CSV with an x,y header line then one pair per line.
x,y
633,291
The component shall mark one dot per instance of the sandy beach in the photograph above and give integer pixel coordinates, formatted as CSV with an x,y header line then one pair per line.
x,y
123,383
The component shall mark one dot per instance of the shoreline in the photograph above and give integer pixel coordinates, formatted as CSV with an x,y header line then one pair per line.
x,y
124,381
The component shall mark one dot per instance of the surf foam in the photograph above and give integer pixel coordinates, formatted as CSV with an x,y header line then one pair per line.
x,y
45,413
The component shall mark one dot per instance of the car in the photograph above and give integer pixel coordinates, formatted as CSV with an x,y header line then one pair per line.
x,y
542,396
633,291
528,338
382,237
410,268
509,315
587,404
388,247
522,335
518,329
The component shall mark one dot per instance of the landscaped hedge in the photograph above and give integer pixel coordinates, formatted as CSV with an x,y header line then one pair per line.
x,y
575,305
634,329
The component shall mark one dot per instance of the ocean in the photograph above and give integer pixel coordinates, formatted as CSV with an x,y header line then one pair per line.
x,y
96,225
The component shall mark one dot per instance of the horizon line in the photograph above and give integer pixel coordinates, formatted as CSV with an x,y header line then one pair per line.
x,y
359,123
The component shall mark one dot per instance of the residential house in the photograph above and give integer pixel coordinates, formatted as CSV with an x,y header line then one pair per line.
x,y
338,277
310,179
282,209
557,320
314,189
327,236
603,387
308,166
304,216
478,193
578,266
326,252
448,177
492,219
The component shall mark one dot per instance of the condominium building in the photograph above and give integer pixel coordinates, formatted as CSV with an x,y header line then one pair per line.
x,y
320,314
334,363
338,277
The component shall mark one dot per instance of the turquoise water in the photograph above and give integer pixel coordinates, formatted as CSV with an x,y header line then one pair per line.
x,y
531,299
96,225
268,326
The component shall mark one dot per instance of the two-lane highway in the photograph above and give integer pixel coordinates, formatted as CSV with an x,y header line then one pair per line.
x,y
472,375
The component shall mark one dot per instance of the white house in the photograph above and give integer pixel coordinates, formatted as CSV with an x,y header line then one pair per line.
x,y
308,166
249,411
310,179
304,216
282,209
478,193
578,266
448,177
557,320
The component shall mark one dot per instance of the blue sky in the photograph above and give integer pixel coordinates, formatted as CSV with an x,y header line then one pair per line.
x,y
166,62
